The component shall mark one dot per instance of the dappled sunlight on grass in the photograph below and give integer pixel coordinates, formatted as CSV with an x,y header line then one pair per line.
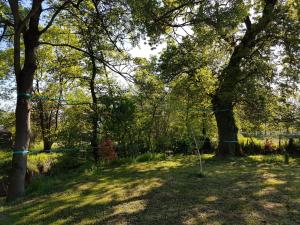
x,y
266,191
271,159
273,207
234,191
153,166
273,181
130,207
211,198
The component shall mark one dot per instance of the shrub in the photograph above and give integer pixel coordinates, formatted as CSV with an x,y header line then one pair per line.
x,y
5,163
108,151
69,160
207,146
269,147
293,148
162,144
180,146
251,146
43,162
150,157
131,150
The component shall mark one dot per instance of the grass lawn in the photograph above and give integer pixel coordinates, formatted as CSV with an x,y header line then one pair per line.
x,y
252,190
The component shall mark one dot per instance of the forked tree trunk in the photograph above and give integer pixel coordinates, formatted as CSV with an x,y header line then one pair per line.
x,y
24,80
28,27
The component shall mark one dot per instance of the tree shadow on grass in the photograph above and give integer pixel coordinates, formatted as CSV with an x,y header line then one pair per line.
x,y
233,192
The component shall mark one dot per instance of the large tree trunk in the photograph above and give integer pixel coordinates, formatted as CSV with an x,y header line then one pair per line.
x,y
227,130
29,28
19,162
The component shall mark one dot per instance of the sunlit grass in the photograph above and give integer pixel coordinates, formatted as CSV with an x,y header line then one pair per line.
x,y
252,190
270,158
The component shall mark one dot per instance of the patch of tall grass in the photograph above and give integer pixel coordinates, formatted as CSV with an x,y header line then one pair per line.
x,y
42,162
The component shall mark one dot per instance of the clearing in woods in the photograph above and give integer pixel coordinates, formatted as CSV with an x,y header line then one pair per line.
x,y
252,190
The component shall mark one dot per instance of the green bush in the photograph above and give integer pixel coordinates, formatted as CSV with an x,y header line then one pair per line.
x,y
5,163
271,159
162,144
150,157
251,145
130,150
70,160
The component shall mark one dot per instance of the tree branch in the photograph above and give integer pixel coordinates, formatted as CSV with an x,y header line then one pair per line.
x,y
248,23
100,59
14,6
169,12
3,33
105,27
35,8
65,45
55,14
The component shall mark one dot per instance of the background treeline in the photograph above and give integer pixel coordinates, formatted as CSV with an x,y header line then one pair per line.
x,y
223,73
149,114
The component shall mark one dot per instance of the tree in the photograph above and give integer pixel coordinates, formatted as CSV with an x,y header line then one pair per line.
x,y
102,27
223,100
24,24
237,33
57,68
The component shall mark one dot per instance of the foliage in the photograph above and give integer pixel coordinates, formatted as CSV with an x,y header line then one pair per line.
x,y
170,92
7,120
4,163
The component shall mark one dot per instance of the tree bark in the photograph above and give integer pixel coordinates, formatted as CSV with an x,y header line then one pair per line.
x,y
227,130
47,142
95,117
16,186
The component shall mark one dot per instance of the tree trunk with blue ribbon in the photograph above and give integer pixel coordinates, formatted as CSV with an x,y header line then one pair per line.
x,y
227,130
24,78
225,95
26,27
